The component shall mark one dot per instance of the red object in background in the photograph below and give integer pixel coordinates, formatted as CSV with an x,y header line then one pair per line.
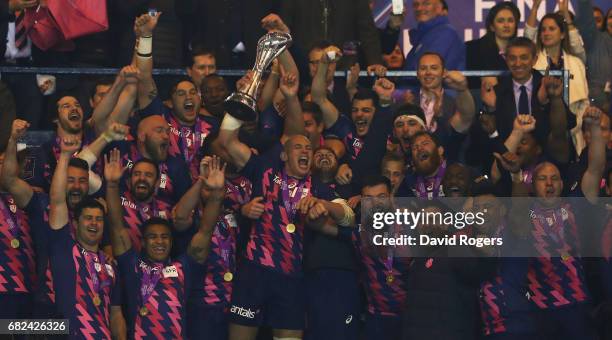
x,y
44,31
76,18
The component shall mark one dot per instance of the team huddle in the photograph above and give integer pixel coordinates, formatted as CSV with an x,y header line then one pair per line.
x,y
171,218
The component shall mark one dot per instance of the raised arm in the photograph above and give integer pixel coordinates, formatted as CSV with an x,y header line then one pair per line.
x,y
270,87
113,170
114,132
143,28
522,124
228,134
9,177
58,208
294,119
597,155
466,109
101,114
558,145
182,213
214,193
532,19
319,88
575,41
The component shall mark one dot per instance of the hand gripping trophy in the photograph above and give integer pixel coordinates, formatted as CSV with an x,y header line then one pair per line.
x,y
242,104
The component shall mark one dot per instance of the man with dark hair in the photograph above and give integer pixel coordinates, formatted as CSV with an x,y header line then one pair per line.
x,y
203,64
380,266
83,280
157,287
214,92
188,128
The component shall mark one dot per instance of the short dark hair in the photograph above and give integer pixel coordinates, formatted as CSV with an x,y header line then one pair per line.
x,y
87,203
213,76
76,162
366,94
200,51
147,161
522,42
102,81
485,187
374,180
156,221
508,5
314,109
432,53
425,133
176,84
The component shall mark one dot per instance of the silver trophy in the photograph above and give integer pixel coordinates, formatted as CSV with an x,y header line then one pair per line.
x,y
242,104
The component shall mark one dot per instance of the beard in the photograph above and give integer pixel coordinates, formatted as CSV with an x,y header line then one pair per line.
x,y
427,167
325,173
142,196
155,151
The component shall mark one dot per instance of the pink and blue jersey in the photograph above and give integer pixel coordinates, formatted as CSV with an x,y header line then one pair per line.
x,y
381,273
156,301
83,286
173,181
185,141
556,277
216,290
17,267
344,129
136,213
276,240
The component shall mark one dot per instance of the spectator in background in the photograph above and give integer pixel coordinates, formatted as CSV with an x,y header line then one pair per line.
x,y
598,46
599,18
488,52
553,42
395,59
230,28
434,34
347,24
203,63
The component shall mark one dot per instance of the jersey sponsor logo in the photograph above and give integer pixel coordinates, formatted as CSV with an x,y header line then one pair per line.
x,y
244,312
349,319
170,271
357,143
126,203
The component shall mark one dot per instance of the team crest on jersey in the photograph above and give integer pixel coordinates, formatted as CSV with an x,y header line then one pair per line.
x,y
170,271
550,221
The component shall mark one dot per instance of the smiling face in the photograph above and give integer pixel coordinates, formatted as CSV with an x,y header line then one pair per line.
x,y
186,102
550,33
153,136
504,25
394,171
547,183
143,181
456,181
362,113
404,128
214,92
430,72
70,115
90,226
297,156
157,242
426,156
520,61
425,10
325,163
77,186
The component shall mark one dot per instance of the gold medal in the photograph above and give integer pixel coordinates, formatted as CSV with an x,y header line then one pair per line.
x,y
565,257
228,277
291,228
15,243
390,278
143,311
96,300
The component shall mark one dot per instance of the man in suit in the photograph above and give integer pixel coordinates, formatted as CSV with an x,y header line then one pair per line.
x,y
525,91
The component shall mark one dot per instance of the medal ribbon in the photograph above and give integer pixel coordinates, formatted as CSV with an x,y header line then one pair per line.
x,y
10,219
290,202
422,191
90,263
150,277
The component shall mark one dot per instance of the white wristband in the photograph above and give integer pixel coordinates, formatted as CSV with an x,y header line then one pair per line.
x,y
230,123
349,216
145,47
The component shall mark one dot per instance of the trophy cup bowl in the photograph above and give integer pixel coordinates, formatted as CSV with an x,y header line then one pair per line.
x,y
242,104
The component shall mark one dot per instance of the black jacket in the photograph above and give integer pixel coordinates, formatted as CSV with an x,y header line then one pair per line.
x,y
483,54
442,294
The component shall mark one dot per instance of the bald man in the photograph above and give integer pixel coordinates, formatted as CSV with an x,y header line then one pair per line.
x,y
152,142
